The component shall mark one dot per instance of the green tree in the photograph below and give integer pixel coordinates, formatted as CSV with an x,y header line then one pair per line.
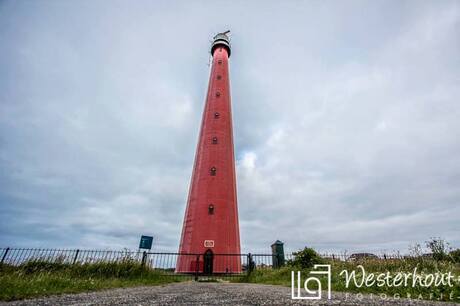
x,y
306,258
439,248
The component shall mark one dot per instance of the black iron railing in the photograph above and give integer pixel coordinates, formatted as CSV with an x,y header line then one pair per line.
x,y
167,263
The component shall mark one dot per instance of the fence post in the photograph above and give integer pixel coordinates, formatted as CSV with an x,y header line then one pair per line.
x,y
4,255
197,267
76,256
250,264
144,258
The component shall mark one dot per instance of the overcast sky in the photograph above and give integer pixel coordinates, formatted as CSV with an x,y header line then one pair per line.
x,y
346,121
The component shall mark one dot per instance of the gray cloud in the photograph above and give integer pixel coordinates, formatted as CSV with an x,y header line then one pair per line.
x,y
345,116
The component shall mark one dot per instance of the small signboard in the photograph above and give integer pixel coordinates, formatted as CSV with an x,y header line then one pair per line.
x,y
209,243
146,242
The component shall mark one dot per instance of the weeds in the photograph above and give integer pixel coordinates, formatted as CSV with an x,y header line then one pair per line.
x,y
41,278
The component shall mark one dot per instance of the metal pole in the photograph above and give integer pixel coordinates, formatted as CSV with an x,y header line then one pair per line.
x,y
76,256
4,255
250,264
144,258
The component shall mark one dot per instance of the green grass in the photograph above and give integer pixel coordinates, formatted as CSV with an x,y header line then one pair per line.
x,y
36,279
282,277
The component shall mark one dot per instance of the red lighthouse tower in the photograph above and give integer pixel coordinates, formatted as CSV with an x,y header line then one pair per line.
x,y
211,218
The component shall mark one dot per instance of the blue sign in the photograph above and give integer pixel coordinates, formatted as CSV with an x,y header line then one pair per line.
x,y
146,242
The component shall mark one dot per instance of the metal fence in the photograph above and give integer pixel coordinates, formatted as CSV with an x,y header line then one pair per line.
x,y
18,256
167,263
364,256
222,265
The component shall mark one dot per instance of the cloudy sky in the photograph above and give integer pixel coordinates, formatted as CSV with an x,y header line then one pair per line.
x,y
346,121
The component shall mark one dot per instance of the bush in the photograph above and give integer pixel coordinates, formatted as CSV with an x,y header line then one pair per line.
x,y
306,258
439,248
39,266
455,255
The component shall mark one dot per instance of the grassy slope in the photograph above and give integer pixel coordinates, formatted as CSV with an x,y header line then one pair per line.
x,y
283,277
42,279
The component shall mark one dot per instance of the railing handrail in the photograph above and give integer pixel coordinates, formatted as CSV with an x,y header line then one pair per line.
x,y
346,256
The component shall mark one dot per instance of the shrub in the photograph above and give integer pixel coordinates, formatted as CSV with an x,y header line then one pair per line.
x,y
455,255
306,258
38,266
439,248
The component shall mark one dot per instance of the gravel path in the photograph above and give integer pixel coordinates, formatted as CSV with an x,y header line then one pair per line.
x,y
196,293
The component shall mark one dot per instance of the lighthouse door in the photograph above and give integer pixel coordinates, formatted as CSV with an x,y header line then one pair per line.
x,y
208,260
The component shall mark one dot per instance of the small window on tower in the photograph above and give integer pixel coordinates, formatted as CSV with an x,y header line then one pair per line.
x,y
213,171
217,94
220,49
211,209
214,140
219,62
219,77
216,115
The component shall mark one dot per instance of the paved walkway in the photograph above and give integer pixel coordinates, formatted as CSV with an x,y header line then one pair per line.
x,y
196,293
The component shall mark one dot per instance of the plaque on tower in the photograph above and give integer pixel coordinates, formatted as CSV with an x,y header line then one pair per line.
x,y
209,243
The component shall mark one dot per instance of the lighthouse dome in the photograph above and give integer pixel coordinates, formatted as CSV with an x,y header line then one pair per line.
x,y
221,40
